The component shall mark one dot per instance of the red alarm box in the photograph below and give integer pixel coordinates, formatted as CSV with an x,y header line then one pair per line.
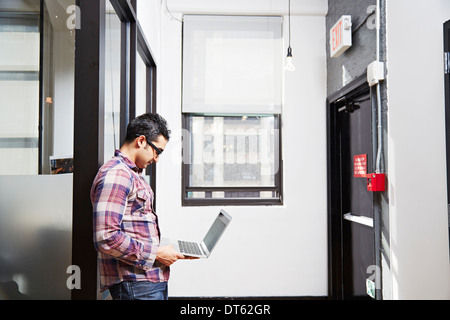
x,y
376,182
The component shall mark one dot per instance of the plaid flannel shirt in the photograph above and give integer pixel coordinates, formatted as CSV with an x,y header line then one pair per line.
x,y
126,232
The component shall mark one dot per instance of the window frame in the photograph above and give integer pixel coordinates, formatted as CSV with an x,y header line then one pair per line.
x,y
186,188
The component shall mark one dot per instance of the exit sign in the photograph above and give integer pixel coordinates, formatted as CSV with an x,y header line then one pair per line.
x,y
341,36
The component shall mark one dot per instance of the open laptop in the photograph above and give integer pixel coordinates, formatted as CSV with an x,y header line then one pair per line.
x,y
204,248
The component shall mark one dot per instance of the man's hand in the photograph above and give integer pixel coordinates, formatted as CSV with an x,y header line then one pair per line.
x,y
168,255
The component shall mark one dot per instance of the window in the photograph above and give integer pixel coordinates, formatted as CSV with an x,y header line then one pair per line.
x,y
232,68
37,46
113,64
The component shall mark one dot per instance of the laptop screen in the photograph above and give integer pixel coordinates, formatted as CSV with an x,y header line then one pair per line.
x,y
215,232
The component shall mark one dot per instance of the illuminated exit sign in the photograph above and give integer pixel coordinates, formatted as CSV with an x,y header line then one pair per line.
x,y
341,36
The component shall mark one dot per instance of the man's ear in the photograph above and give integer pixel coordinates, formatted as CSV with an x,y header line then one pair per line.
x,y
139,141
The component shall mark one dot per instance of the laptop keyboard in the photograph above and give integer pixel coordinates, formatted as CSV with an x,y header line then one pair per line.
x,y
189,247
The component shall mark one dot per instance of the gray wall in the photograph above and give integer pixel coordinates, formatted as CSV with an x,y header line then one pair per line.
x,y
350,65
353,62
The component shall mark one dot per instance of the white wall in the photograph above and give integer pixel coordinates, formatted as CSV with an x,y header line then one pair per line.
x,y
293,256
266,251
149,16
416,151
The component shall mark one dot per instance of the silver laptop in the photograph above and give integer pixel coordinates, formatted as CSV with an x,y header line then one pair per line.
x,y
204,248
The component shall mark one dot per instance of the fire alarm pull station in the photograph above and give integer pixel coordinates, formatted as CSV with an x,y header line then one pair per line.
x,y
376,182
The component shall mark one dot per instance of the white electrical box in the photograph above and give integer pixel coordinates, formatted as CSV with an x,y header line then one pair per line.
x,y
375,72
341,36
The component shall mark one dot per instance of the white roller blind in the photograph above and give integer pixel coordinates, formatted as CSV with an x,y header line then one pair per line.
x,y
232,64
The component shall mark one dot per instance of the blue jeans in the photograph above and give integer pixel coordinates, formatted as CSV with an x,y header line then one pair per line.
x,y
139,290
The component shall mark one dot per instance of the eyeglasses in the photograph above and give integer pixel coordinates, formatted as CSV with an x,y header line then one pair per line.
x,y
157,150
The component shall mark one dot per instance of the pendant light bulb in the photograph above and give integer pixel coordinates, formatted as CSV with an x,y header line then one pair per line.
x,y
289,65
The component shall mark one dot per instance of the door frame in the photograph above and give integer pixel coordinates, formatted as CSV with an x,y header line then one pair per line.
x,y
334,185
447,105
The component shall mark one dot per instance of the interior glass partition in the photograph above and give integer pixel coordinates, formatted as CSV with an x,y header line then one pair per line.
x,y
44,196
113,64
19,89
141,87
36,147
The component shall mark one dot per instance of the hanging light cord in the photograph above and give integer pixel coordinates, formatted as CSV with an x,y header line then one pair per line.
x,y
289,17
289,51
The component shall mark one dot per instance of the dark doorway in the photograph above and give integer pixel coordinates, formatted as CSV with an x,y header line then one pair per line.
x,y
352,263
447,103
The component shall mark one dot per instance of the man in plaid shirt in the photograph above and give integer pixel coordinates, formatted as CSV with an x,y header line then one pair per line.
x,y
126,234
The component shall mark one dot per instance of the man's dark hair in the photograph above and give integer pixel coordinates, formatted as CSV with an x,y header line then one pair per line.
x,y
151,125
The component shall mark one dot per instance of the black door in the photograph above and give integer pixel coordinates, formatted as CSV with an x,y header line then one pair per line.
x,y
352,263
357,203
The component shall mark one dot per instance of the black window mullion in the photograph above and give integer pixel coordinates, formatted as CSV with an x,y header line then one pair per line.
x,y
124,10
89,113
279,158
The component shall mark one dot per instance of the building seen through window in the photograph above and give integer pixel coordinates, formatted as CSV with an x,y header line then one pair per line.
x,y
234,152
